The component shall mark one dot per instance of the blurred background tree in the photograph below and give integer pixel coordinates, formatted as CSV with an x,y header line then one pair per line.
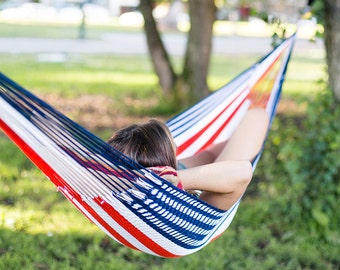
x,y
332,41
190,85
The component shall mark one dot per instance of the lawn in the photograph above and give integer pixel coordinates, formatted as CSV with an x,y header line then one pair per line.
x,y
40,229
55,30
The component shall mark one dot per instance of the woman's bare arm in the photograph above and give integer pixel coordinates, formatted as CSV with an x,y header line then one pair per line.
x,y
222,183
225,180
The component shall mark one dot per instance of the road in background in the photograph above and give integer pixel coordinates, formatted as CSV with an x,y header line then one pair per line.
x,y
135,43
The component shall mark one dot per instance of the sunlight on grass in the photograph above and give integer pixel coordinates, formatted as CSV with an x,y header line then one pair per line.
x,y
37,221
51,30
116,75
300,88
301,79
109,75
224,68
100,77
306,69
303,75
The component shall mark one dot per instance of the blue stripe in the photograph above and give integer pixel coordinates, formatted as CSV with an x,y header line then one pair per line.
x,y
190,208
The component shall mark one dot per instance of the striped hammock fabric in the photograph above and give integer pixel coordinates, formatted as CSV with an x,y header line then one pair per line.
x,y
129,203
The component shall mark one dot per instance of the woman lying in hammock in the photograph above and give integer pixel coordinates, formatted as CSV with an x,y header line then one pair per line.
x,y
221,172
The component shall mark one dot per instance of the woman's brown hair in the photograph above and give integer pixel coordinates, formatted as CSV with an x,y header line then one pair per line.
x,y
149,144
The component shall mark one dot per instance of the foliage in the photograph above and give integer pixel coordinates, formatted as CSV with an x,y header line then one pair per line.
x,y
307,166
319,170
317,10
279,31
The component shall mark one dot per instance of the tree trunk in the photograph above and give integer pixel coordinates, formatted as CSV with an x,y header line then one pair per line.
x,y
332,44
191,86
158,54
195,71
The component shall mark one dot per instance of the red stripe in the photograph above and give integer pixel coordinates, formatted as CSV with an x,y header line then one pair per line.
x,y
71,195
192,139
33,156
218,132
134,231
98,218
187,143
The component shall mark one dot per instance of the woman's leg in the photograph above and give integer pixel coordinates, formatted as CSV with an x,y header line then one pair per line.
x,y
247,140
244,144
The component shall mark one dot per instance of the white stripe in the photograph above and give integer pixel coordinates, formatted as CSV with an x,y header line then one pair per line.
x,y
206,135
275,89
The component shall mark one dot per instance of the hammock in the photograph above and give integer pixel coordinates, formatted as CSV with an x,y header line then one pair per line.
x,y
129,203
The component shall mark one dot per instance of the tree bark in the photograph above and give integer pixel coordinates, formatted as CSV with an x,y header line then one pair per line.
x,y
158,54
195,71
332,44
191,85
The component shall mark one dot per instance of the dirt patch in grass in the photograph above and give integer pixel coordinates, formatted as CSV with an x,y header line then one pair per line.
x,y
98,112
94,112
290,107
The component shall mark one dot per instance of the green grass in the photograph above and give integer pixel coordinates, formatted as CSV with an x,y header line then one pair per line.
x,y
114,75
58,30
40,229
80,74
